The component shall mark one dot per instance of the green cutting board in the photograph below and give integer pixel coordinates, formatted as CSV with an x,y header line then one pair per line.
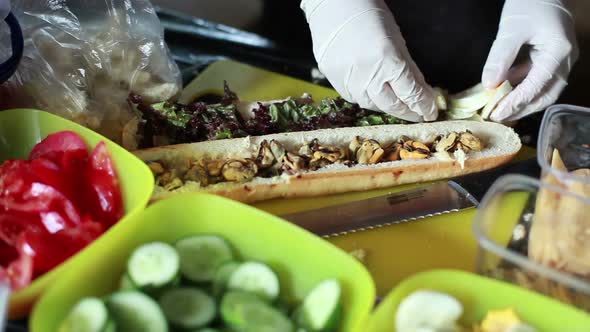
x,y
391,253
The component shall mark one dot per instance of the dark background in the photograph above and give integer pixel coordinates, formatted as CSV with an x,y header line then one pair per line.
x,y
284,22
282,25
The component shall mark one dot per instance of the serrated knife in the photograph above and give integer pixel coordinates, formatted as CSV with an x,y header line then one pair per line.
x,y
430,200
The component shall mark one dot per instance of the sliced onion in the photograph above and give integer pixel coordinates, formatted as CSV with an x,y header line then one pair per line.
x,y
472,99
440,98
460,114
476,117
498,93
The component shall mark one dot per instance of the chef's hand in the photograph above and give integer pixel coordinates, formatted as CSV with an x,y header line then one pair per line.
x,y
4,8
546,27
359,48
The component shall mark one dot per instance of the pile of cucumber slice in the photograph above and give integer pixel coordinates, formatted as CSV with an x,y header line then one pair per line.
x,y
198,285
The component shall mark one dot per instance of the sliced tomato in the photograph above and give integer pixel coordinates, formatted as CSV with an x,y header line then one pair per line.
x,y
69,152
43,248
14,177
49,250
104,199
39,198
85,233
54,204
51,174
19,272
8,253
23,191
13,224
54,145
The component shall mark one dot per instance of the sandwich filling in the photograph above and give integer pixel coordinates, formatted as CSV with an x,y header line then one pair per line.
x,y
273,159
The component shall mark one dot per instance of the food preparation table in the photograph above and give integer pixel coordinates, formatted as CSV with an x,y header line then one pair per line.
x,y
390,253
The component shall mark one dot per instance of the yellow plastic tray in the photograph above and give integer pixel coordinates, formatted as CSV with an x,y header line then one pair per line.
x,y
392,253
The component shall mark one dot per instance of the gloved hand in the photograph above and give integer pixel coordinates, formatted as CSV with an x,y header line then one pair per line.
x,y
4,8
359,48
547,27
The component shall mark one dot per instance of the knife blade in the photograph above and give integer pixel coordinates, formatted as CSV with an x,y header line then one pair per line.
x,y
430,200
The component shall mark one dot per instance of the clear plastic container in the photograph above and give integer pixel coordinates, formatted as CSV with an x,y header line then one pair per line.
x,y
567,129
536,235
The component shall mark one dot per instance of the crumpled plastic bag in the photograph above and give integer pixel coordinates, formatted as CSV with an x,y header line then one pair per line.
x,y
83,58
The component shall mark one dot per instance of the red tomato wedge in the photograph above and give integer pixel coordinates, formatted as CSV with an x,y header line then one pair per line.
x,y
106,203
46,202
55,144
49,250
19,272
52,174
12,225
14,177
8,253
54,204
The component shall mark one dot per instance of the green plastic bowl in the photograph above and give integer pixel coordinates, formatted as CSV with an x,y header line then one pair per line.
x,y
20,130
479,295
300,258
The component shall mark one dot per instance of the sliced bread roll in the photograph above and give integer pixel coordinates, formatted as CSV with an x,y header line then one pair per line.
x,y
501,144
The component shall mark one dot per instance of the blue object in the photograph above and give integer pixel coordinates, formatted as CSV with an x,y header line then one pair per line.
x,y
17,43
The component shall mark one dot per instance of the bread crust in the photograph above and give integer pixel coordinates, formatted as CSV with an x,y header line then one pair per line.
x,y
326,182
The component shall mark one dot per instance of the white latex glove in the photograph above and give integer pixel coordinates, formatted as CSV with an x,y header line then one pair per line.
x,y
359,48
547,27
4,8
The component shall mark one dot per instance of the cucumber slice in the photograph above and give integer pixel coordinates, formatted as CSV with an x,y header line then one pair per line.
x,y
201,255
283,306
111,326
321,308
428,309
187,308
126,283
256,278
297,317
222,276
154,265
246,312
133,311
88,315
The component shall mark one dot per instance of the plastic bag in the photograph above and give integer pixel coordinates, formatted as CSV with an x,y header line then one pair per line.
x,y
83,58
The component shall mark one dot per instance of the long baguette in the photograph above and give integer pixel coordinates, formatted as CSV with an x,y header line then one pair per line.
x,y
501,144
